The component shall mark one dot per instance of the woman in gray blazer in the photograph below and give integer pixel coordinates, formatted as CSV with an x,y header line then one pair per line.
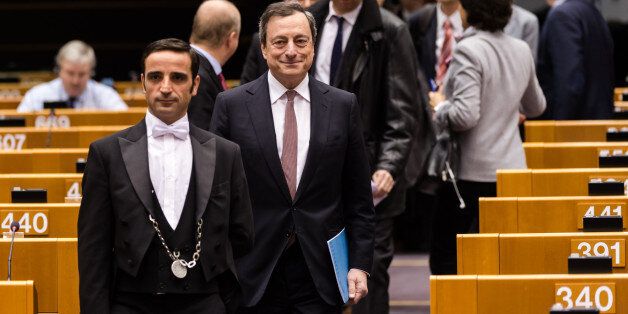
x,y
490,82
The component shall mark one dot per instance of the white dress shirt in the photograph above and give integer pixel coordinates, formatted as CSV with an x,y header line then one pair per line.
x,y
302,111
328,37
170,165
95,96
456,28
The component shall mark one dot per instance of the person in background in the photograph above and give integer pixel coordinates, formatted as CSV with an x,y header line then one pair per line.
x,y
575,63
255,64
366,50
435,29
524,25
491,78
215,33
76,62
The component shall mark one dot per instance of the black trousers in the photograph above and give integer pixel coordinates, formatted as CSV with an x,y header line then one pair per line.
x,y
145,303
376,302
291,289
449,220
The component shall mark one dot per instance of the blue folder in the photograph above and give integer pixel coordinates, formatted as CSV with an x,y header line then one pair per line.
x,y
339,252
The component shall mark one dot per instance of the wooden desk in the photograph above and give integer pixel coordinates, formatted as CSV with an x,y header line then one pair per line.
x,y
49,160
52,220
552,182
544,214
11,100
17,297
52,264
521,294
72,117
568,155
59,185
72,137
619,92
570,130
534,253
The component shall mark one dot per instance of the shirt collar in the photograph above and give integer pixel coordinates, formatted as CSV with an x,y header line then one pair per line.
x,y
350,17
454,19
58,85
151,121
277,90
215,64
557,3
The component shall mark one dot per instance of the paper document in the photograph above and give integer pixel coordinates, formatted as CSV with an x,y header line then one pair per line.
x,y
376,200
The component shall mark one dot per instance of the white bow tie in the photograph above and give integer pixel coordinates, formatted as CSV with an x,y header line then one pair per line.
x,y
179,130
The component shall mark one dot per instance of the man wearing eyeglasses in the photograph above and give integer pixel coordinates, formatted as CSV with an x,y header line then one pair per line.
x,y
308,175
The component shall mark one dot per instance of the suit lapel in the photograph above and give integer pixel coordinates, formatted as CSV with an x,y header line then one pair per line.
x,y
319,127
134,148
258,105
204,154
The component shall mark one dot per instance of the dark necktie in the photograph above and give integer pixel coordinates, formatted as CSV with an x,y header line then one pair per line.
x,y
289,150
336,52
71,102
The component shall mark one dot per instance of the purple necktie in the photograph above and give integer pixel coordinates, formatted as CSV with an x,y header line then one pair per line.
x,y
290,139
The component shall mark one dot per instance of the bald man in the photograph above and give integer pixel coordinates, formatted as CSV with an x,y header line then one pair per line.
x,y
215,33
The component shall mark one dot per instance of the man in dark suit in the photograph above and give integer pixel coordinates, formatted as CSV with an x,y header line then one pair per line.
x,y
165,205
371,55
575,62
215,33
428,30
308,174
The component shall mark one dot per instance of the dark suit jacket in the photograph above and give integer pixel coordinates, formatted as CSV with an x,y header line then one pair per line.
x,y
113,225
255,64
379,66
575,62
334,191
202,105
422,25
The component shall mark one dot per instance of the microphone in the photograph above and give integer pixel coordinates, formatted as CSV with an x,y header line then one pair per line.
x,y
15,226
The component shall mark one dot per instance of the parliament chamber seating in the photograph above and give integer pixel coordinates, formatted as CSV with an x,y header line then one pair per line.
x,y
49,160
553,182
52,265
18,297
526,294
18,138
51,220
570,130
547,213
575,154
72,117
535,253
58,185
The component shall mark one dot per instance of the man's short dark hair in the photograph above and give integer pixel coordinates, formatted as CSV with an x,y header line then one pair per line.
x,y
488,15
171,44
284,9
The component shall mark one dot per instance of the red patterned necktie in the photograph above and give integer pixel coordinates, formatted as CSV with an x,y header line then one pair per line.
x,y
445,53
223,82
289,150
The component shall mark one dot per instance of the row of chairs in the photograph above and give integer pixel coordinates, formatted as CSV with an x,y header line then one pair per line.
x,y
536,246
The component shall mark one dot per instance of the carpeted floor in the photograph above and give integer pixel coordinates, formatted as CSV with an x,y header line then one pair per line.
x,y
409,284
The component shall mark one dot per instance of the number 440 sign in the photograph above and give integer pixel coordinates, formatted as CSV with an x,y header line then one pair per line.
x,y
32,222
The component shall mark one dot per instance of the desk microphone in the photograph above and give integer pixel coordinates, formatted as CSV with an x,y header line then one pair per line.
x,y
15,226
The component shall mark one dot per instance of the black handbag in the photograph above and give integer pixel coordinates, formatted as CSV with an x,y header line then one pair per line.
x,y
444,159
